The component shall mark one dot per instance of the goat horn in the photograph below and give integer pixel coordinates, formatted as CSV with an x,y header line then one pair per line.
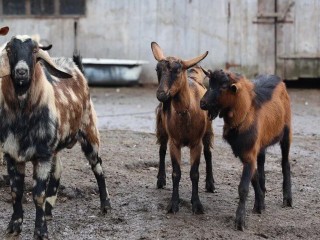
x,y
51,66
4,64
46,48
206,72
157,51
190,63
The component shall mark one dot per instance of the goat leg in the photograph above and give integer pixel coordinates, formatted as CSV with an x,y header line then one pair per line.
x,y
243,190
162,166
175,153
195,154
259,195
207,143
41,172
16,173
53,185
285,147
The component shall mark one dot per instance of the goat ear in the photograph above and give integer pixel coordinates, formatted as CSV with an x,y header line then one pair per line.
x,y
51,66
234,88
157,52
46,48
4,64
207,73
4,31
190,63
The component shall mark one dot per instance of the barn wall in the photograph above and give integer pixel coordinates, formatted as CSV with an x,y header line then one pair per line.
x,y
124,29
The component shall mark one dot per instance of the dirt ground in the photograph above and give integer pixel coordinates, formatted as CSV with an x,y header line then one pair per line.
x,y
130,157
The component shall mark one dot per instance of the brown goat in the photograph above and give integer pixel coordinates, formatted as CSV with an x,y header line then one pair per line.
x,y
256,115
181,122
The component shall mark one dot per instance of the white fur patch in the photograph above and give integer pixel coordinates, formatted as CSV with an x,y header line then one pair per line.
x,y
98,169
86,118
43,170
73,96
11,146
65,130
21,64
22,97
28,154
62,98
23,38
4,64
52,200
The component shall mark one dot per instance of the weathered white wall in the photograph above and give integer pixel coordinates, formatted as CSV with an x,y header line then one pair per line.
x,y
185,28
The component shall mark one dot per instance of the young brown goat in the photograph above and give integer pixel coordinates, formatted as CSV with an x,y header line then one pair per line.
x,y
181,122
256,115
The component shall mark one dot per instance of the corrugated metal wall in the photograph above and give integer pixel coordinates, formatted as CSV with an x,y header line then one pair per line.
x,y
124,29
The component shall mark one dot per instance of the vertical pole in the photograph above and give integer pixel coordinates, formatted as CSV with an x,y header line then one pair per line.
x,y
75,28
275,36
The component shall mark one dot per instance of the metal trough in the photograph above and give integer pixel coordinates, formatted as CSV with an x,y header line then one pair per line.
x,y
112,72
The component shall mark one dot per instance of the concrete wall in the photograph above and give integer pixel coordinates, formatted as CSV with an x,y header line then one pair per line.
x,y
185,28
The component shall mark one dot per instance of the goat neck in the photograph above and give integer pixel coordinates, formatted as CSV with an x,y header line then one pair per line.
x,y
240,115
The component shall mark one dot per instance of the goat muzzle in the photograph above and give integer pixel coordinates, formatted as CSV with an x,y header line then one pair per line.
x,y
163,96
203,105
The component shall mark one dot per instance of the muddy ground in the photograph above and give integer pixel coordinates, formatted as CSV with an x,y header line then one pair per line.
x,y
130,157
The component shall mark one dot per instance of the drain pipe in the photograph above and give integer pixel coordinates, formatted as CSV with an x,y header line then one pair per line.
x,y
75,30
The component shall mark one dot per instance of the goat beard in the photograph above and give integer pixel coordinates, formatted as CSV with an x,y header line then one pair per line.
x,y
212,114
21,89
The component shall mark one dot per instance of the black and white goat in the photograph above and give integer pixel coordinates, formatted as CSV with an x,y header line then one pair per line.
x,y
45,106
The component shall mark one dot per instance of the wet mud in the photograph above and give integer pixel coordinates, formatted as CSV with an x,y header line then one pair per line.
x,y
130,160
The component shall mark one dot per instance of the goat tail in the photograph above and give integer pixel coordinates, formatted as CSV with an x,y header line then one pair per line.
x,y
78,60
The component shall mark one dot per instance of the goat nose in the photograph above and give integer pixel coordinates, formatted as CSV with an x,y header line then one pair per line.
x,y
162,96
203,105
21,72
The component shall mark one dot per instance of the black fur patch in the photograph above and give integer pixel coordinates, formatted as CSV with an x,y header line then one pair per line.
x,y
264,86
26,129
241,141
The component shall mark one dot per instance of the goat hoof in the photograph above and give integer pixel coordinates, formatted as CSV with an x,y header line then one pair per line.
x,y
210,186
173,207
287,202
105,206
40,234
14,227
197,207
258,208
240,223
161,183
